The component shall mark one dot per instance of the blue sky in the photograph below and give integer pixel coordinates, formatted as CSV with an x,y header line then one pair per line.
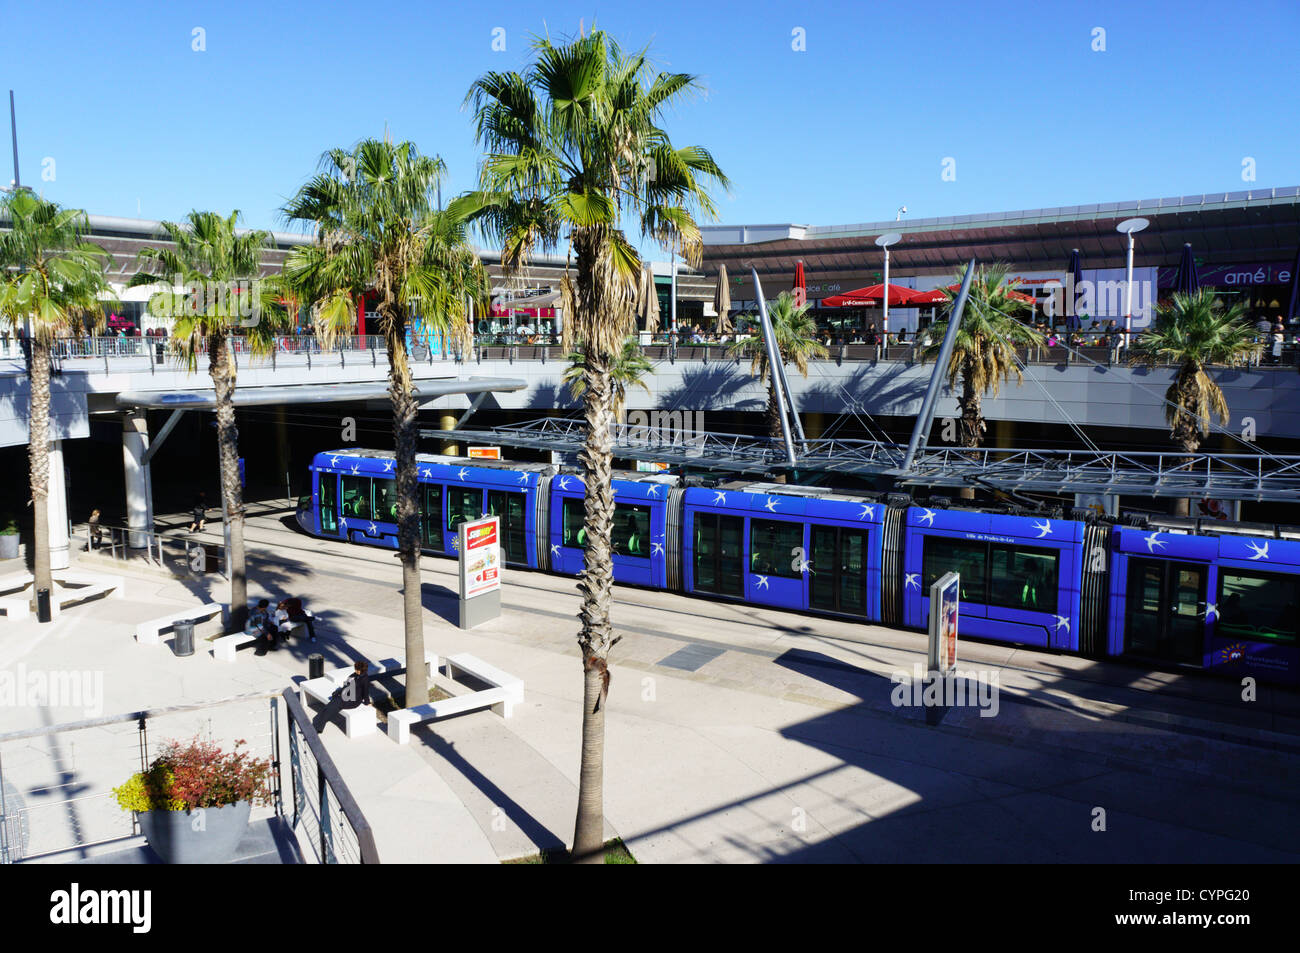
x,y
138,123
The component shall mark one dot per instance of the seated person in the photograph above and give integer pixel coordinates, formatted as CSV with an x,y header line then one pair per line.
x,y
353,693
295,611
260,623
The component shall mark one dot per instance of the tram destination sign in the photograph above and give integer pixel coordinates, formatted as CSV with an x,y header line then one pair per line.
x,y
945,602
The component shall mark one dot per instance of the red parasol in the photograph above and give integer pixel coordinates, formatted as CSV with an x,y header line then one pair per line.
x,y
869,296
800,285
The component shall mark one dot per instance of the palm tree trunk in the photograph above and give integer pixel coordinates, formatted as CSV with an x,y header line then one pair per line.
x,y
39,465
405,443
222,373
773,414
596,585
971,430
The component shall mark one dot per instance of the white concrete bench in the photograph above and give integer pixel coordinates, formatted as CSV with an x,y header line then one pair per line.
x,y
401,722
504,693
224,648
363,719
475,666
150,633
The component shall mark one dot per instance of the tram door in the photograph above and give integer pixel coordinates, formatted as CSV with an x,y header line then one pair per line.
x,y
1165,617
510,507
838,577
719,542
329,516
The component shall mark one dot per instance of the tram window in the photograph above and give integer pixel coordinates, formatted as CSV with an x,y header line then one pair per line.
x,y
630,534
356,497
1021,578
508,505
463,504
1258,606
575,517
963,556
386,500
773,548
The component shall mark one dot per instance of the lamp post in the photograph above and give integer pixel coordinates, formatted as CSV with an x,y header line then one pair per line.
x,y
1129,227
884,241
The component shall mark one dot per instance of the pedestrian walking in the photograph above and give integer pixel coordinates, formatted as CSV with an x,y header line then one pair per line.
x,y
199,513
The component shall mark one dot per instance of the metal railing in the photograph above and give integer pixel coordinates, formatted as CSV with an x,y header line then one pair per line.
x,y
158,351
331,821
178,552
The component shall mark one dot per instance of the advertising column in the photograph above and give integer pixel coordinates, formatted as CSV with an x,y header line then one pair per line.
x,y
480,571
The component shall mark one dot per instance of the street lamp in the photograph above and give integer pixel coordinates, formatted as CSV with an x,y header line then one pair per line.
x,y
902,210
884,241
1129,227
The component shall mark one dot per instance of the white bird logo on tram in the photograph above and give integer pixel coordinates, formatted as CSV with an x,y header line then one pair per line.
x,y
460,474
1044,528
356,468
426,473
1062,621
656,548
555,549
770,505
373,529
1261,552
762,582
563,483
334,461
927,517
654,490
911,581
868,512
1153,542
719,497
1211,611
388,465
523,478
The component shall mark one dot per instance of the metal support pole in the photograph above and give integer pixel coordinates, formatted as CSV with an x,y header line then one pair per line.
x,y
1128,291
773,366
921,432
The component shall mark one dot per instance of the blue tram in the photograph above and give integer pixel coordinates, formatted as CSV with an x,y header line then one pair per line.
x,y
1183,593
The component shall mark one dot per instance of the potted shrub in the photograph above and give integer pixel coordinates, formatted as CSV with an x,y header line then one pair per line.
x,y
194,801
8,537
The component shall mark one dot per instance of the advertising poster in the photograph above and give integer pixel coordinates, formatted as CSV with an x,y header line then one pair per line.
x,y
945,604
480,557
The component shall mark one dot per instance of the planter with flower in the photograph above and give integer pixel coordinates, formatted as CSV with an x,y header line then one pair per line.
x,y
194,801
8,537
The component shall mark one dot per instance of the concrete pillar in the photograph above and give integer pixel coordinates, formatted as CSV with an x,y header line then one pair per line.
x,y
139,491
58,508
447,421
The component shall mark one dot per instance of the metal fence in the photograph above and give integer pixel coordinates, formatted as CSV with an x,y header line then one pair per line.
x,y
325,815
177,552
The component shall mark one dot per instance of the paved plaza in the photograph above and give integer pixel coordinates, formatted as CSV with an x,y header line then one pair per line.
x,y
734,733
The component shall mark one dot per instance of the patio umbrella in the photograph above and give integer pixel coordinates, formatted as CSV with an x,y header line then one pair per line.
x,y
1186,282
722,301
871,295
648,301
800,284
1075,268
1293,305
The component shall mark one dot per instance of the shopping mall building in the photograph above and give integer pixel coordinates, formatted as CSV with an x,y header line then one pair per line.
x,y
1245,245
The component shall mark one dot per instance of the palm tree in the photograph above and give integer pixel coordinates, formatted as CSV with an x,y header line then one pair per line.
x,y
795,331
378,232
574,150
1194,331
626,371
53,281
984,353
215,263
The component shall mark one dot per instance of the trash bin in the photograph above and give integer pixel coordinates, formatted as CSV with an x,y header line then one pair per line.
x,y
43,613
315,665
158,353
184,632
